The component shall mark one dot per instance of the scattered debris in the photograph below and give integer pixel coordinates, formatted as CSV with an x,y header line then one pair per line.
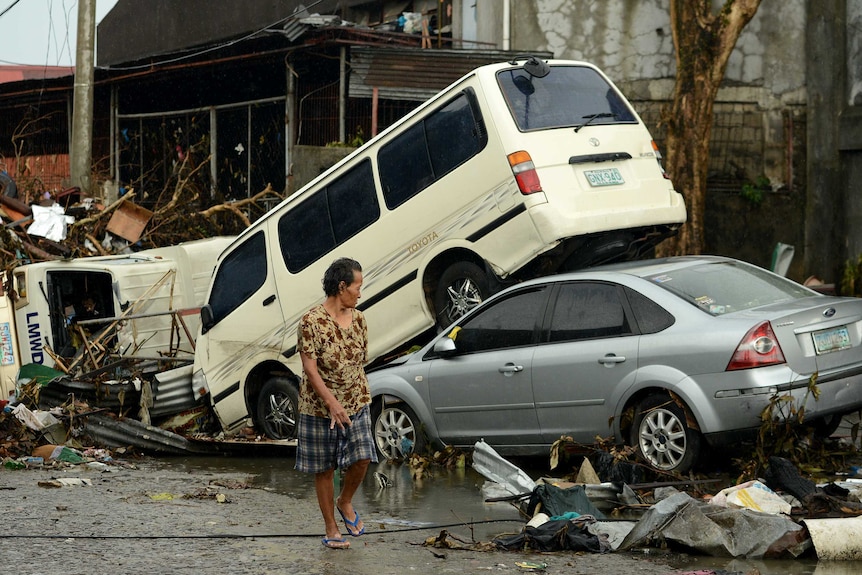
x,y
777,517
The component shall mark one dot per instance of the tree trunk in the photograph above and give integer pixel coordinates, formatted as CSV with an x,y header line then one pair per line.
x,y
703,41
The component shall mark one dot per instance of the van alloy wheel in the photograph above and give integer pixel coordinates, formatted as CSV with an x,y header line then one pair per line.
x,y
278,409
462,287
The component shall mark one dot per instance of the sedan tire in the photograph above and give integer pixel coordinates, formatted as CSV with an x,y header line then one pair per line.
x,y
278,409
396,430
662,437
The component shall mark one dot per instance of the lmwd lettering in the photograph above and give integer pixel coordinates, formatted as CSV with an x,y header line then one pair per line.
x,y
35,338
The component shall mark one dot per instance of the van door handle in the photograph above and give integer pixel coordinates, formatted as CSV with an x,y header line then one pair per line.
x,y
269,300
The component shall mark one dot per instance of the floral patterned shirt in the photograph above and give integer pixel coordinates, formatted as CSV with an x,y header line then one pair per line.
x,y
341,355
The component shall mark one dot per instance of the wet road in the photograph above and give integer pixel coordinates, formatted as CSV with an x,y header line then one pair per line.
x,y
450,497
445,497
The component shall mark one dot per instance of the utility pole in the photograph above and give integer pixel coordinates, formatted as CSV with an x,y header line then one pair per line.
x,y
81,145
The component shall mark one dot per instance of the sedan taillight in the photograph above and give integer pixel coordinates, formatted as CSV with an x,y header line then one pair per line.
x,y
525,172
758,348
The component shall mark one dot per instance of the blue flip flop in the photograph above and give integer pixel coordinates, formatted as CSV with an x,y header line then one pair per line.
x,y
352,525
336,543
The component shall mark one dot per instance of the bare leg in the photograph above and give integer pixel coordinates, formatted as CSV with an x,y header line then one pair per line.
x,y
325,494
350,483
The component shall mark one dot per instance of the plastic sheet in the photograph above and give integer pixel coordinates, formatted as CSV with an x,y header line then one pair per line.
x,y
718,531
489,463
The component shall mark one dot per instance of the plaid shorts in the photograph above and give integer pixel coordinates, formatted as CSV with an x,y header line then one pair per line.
x,y
320,448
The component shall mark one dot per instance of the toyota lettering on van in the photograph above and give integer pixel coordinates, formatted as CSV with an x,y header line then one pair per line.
x,y
421,243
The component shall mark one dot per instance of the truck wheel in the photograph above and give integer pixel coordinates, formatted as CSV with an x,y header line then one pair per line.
x,y
396,430
462,287
662,437
278,409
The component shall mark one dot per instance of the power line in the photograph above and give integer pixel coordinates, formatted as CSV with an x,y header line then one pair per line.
x,y
12,5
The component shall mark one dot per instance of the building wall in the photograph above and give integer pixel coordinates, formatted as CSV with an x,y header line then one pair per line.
x,y
791,108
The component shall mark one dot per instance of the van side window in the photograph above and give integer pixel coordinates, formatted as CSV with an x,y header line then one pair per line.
x,y
568,96
328,218
241,274
430,149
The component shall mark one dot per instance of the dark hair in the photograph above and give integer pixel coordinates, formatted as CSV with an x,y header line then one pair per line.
x,y
341,270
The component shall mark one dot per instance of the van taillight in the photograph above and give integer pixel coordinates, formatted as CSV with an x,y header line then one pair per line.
x,y
658,159
525,172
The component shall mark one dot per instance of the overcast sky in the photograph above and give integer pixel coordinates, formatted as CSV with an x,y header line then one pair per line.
x,y
42,32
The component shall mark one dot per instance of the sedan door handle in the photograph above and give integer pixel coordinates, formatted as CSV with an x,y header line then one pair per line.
x,y
269,300
610,359
511,368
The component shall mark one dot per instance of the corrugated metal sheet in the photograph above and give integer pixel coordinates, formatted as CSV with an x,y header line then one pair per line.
x,y
172,392
110,432
414,73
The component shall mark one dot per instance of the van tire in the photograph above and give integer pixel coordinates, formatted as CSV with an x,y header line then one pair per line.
x,y
277,411
462,287
396,428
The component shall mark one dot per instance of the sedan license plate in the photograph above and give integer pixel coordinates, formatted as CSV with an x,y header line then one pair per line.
x,y
605,177
830,340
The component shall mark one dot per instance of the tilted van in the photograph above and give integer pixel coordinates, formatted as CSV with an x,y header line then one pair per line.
x,y
516,170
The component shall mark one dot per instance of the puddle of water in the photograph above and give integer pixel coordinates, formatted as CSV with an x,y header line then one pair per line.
x,y
453,497
450,497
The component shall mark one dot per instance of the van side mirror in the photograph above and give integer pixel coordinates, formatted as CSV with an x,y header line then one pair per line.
x,y
206,318
445,347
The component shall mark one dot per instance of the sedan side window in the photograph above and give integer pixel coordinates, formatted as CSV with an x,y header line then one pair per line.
x,y
651,317
587,310
510,322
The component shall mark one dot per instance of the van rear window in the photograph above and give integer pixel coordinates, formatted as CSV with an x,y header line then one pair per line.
x,y
569,96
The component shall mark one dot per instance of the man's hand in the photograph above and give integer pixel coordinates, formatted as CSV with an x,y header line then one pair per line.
x,y
338,416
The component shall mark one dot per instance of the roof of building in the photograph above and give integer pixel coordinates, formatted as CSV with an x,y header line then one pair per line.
x,y
17,73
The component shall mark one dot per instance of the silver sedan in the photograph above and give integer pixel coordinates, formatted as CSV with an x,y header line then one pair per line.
x,y
671,355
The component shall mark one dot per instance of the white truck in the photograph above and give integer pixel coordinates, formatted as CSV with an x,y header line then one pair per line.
x,y
139,294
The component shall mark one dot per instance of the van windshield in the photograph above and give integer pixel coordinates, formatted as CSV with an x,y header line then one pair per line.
x,y
569,96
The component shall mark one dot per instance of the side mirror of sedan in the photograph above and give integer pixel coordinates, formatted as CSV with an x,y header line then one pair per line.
x,y
445,347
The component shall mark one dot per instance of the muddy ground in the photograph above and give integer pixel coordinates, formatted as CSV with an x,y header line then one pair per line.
x,y
145,517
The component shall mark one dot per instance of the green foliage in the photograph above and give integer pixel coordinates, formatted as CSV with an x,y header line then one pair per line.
x,y
755,192
783,434
851,279
354,141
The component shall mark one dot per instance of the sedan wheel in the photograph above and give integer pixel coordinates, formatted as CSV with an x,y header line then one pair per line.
x,y
396,431
662,437
277,409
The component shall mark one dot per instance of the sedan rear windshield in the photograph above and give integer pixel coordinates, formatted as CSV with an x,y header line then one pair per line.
x,y
569,96
725,287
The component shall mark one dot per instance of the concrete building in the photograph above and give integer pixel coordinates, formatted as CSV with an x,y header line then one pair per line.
x,y
254,87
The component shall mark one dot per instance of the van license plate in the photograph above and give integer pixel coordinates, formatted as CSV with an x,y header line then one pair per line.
x,y
831,340
606,177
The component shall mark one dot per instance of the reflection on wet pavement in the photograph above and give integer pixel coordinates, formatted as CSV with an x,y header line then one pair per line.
x,y
451,499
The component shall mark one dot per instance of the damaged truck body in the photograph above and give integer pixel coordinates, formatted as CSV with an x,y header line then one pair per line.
x,y
80,315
